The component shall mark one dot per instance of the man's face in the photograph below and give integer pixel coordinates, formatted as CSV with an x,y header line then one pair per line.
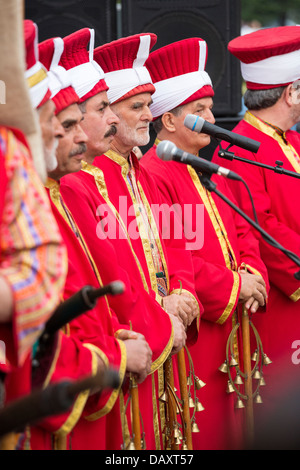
x,y
72,145
51,131
187,139
100,125
135,117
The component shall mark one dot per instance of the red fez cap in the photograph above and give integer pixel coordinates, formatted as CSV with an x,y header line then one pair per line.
x,y
36,74
178,73
269,57
86,75
123,64
62,93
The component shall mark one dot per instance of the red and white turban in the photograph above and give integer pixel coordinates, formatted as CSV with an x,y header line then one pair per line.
x,y
35,74
178,74
86,76
62,92
269,57
123,64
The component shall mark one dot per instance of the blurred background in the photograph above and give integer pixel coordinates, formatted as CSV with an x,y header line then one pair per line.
x,y
216,21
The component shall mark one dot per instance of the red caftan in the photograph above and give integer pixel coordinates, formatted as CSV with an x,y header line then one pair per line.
x,y
88,425
220,242
138,306
276,202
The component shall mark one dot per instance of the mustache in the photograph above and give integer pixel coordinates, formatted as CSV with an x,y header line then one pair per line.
x,y
81,148
112,131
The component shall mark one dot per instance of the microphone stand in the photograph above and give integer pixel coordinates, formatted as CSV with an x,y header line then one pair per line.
x,y
205,179
277,169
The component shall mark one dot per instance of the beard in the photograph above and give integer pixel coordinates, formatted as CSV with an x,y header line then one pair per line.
x,y
50,156
132,137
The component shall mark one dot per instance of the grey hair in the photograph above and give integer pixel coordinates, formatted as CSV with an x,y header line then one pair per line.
x,y
262,99
158,125
82,106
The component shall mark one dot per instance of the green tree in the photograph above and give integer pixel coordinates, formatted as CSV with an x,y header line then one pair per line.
x,y
271,11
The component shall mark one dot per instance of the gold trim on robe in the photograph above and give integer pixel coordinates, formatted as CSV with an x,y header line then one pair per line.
x,y
100,183
286,147
114,395
223,239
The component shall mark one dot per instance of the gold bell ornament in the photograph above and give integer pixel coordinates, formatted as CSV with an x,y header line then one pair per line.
x,y
199,383
266,360
223,368
230,387
239,403
258,399
195,427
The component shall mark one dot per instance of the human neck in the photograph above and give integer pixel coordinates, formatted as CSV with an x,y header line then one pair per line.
x,y
172,137
275,115
121,150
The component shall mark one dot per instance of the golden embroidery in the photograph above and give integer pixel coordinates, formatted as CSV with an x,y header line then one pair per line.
x,y
285,146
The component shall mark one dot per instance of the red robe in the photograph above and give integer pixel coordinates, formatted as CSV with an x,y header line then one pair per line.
x,y
276,201
218,251
176,261
138,305
87,426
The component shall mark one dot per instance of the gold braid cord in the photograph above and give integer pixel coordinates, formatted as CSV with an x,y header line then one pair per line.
x,y
178,433
241,376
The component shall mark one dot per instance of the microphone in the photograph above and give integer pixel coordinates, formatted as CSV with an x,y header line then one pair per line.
x,y
53,400
198,124
83,300
167,150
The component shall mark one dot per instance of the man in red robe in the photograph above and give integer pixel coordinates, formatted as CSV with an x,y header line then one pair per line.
x,y
135,308
96,339
270,68
142,257
227,266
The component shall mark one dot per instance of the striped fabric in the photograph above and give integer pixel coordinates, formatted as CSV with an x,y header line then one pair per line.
x,y
33,257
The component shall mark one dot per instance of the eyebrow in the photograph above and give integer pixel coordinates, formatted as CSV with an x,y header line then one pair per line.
x,y
142,103
103,103
69,122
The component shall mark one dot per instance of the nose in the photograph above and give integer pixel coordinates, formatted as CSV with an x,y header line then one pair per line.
x,y
147,115
80,136
209,116
112,118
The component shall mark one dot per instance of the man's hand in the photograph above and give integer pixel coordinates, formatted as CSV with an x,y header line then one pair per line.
x,y
182,306
139,355
253,292
179,334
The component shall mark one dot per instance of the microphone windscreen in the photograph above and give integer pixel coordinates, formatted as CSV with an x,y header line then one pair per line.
x,y
117,288
165,149
194,123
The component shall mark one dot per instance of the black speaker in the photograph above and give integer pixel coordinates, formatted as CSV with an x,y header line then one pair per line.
x,y
215,21
63,17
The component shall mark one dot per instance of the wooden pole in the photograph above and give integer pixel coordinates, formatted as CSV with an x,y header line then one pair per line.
x,y
248,377
185,399
135,413
171,404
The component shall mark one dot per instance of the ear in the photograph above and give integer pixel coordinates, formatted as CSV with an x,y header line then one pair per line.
x,y
290,94
294,93
169,122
